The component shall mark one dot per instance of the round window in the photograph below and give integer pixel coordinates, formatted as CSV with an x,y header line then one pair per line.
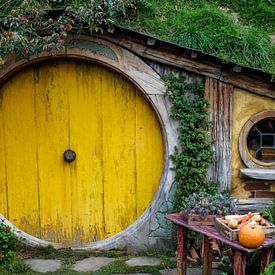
x,y
257,140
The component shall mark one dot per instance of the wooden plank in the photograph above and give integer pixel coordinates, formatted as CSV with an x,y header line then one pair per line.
x,y
85,126
119,143
18,111
3,175
182,234
220,96
245,205
52,134
149,168
239,262
207,256
266,258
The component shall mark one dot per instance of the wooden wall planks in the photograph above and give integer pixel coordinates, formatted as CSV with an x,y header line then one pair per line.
x,y
220,96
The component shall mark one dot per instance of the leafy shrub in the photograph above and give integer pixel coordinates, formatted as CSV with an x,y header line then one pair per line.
x,y
205,204
192,157
8,244
32,27
270,269
269,213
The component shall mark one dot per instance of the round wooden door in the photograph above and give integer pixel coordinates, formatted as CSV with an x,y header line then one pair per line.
x,y
71,105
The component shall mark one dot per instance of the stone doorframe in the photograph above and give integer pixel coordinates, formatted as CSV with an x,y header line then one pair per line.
x,y
137,235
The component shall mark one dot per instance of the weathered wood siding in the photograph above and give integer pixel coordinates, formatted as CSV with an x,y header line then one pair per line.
x,y
115,133
220,96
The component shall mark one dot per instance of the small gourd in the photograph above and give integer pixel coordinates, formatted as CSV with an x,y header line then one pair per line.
x,y
251,235
233,224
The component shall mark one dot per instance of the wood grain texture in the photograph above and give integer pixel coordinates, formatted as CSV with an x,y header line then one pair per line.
x,y
52,134
259,173
266,258
207,256
3,176
85,109
95,112
245,205
20,152
220,96
239,262
181,58
182,234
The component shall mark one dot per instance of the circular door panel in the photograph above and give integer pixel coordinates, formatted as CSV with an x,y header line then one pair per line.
x,y
55,109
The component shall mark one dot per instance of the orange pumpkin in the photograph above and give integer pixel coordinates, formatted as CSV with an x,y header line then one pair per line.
x,y
251,235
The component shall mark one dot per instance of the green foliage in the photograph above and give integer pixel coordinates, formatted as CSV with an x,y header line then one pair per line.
x,y
236,30
270,269
205,204
269,213
213,26
31,27
14,267
8,244
191,159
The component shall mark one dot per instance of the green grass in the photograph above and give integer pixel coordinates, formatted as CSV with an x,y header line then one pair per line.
x,y
235,30
206,26
69,257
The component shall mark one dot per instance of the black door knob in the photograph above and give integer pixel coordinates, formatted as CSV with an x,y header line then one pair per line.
x,y
69,155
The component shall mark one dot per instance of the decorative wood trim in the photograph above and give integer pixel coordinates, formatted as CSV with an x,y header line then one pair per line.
x,y
248,160
170,54
263,174
220,96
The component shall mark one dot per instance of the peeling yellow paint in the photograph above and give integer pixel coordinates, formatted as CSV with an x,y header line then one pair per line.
x,y
245,105
117,138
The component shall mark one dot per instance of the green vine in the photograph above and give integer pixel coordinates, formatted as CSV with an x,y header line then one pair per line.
x,y
34,26
194,154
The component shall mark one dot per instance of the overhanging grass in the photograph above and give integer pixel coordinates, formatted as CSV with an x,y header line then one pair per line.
x,y
206,28
206,25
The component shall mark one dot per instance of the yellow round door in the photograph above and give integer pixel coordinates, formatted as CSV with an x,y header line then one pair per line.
x,y
81,152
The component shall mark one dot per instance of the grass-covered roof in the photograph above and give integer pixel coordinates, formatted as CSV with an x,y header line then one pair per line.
x,y
242,31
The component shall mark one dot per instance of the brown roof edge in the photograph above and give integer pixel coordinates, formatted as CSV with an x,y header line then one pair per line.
x,y
225,65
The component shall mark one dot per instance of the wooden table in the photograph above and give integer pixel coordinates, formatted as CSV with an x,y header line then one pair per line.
x,y
209,232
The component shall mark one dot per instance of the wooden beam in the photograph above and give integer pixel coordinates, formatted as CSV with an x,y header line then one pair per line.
x,y
239,262
220,96
182,250
173,55
207,256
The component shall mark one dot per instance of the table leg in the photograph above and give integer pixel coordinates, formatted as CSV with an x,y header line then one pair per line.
x,y
239,262
182,250
207,256
266,257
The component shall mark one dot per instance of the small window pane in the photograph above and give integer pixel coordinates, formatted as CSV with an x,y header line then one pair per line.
x,y
261,141
267,140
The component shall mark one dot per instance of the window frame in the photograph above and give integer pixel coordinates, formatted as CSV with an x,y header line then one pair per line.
x,y
248,159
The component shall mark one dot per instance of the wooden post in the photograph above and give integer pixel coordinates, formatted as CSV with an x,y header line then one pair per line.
x,y
239,262
220,96
266,257
207,256
182,250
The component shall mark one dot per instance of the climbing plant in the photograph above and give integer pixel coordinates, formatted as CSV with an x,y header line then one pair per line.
x,y
194,153
34,26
